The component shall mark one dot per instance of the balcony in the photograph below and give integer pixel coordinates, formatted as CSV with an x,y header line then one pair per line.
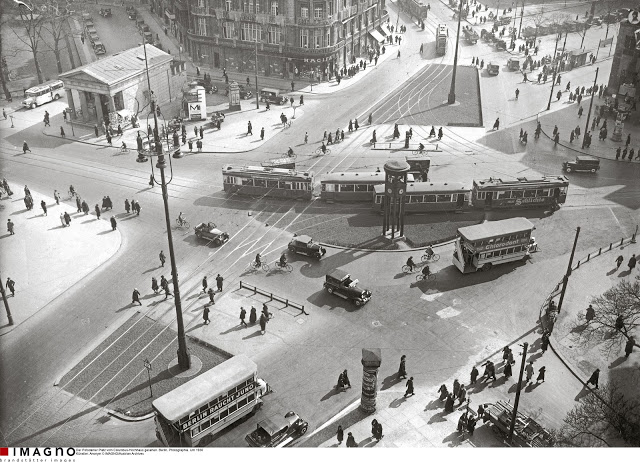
x,y
315,22
202,11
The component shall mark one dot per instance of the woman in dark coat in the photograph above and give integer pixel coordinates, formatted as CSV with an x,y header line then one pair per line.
x,y
253,316
448,406
351,441
474,374
263,323
402,371
444,393
340,434
541,373
507,370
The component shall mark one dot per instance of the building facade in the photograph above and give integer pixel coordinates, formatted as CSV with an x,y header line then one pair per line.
x,y
625,65
290,38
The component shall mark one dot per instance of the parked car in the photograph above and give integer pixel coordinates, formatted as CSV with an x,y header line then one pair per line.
x,y
339,282
273,96
210,232
208,86
277,431
304,245
133,14
99,48
105,12
513,64
582,164
493,69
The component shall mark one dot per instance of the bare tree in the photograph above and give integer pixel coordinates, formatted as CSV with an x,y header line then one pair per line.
x,y
538,19
617,315
56,25
603,419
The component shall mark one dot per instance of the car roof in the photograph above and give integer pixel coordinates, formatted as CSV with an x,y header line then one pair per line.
x,y
338,274
587,159
274,424
270,89
303,238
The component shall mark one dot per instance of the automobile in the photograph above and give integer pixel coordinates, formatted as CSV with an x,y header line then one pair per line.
x,y
582,164
493,69
244,92
129,8
86,17
133,15
93,37
105,12
595,21
148,38
208,86
513,64
88,24
277,431
210,232
339,282
99,48
304,245
273,96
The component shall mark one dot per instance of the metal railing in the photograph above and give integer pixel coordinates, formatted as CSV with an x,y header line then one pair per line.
x,y
285,301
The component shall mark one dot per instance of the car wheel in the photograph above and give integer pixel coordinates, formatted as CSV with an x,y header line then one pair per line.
x,y
330,290
569,169
303,430
486,267
56,97
291,249
318,256
217,242
593,170
358,302
34,105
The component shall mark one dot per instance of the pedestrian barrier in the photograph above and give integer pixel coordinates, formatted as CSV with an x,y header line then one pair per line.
x,y
286,301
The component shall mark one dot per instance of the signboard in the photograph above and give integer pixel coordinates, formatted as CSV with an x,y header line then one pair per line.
x,y
500,245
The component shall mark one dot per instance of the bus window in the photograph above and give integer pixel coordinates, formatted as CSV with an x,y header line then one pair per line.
x,y
259,182
543,192
328,187
361,188
511,250
444,198
247,181
230,179
347,188
286,185
529,193
273,184
481,194
503,252
378,199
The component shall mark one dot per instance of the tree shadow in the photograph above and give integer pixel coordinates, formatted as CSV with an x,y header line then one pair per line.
x,y
584,392
390,381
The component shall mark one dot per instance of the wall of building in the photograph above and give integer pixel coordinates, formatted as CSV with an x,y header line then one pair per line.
x,y
625,65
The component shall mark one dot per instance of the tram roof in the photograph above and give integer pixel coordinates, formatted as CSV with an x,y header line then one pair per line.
x,y
493,182
428,187
351,177
268,171
197,392
495,228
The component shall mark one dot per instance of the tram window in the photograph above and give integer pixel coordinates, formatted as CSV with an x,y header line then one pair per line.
x,y
328,187
233,408
230,179
430,198
444,198
481,194
272,184
504,194
347,188
284,185
260,182
224,413
371,187
529,193
305,186
378,199
563,190
517,193
503,252
204,408
215,418
247,182
543,192
361,187
242,403
415,199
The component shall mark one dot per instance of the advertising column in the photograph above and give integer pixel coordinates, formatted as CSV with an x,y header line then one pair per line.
x,y
371,360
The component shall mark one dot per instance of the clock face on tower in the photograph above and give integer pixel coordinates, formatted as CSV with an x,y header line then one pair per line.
x,y
390,190
401,191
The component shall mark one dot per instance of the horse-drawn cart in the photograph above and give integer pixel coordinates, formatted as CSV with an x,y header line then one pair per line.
x,y
527,433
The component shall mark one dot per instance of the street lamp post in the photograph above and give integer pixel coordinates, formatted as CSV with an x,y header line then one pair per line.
x,y
452,92
521,16
553,77
184,360
565,280
257,95
514,417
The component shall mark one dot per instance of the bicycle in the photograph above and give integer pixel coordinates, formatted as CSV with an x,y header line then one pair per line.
x,y
182,223
320,153
408,269
123,150
254,265
72,194
287,124
286,267
432,257
428,277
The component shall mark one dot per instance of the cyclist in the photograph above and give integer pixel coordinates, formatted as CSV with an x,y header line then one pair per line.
x,y
258,261
324,148
426,271
283,260
410,263
429,252
72,190
182,219
290,152
123,147
421,147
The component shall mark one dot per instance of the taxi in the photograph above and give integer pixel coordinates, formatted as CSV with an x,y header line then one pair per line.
x,y
339,282
210,232
304,245
277,431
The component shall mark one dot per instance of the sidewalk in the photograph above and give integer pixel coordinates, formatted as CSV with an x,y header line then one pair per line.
x,y
32,258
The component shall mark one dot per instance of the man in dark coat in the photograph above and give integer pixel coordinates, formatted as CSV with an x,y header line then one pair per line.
x,y
474,374
628,348
402,371
97,209
593,380
11,285
219,280
507,370
43,204
205,284
541,372
114,223
263,323
409,385
632,262
135,297
67,218
448,405
211,296
127,205
351,441
243,314
205,315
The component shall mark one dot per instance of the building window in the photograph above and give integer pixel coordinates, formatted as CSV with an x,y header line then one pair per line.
x,y
304,38
318,12
274,35
247,6
328,43
274,8
251,32
228,29
201,4
344,3
201,26
227,5
257,6
317,39
304,12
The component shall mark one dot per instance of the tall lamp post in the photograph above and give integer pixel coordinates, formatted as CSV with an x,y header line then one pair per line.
x,y
452,92
184,360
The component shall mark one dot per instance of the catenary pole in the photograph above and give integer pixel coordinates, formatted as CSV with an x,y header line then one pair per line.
x,y
568,273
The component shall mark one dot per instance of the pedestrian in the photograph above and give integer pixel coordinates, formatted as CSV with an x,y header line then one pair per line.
x,y
167,291
402,371
114,223
541,372
67,218
341,135
618,157
253,315
85,207
628,139
201,132
517,92
205,315
340,434
529,370
448,405
127,205
496,124
628,348
219,280
292,85
243,313
97,209
632,262
11,285
154,285
355,124
462,423
345,379
590,314
108,135
190,144
263,323
306,137
135,297
480,411
262,133
409,386
62,221
4,113
398,57
507,370
440,133
62,134
162,258
351,441
46,119
471,425
78,203
211,296
204,285
350,126
25,147
510,359
151,180
43,205
462,393
545,342
474,374
56,196
249,129
456,387
199,145
593,380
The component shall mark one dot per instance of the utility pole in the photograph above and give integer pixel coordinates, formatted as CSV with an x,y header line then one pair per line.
x,y
257,95
514,417
586,128
553,77
566,276
6,303
521,16
452,92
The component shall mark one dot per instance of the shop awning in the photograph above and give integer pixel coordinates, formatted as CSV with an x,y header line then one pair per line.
x,y
376,35
170,15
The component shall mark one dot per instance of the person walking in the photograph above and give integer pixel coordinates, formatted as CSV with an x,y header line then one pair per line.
x,y
301,100
162,258
114,223
456,387
43,205
263,323
67,218
262,134
56,196
205,285
507,370
306,137
617,158
632,262
409,386
62,221
448,405
496,124
205,315
541,372
249,129
135,297
593,380
462,393
211,296
62,134
154,285
167,290
201,133
243,314
529,370
580,110
474,375
127,206
95,130
340,435
25,147
402,371
628,348
78,203
517,92
11,285
219,281
97,209
351,441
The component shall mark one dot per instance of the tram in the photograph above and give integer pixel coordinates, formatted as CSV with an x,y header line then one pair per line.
x,y
546,191
415,8
441,39
253,180
423,197
349,186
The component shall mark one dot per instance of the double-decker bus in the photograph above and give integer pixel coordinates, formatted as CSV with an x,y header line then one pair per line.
x,y
253,180
480,247
193,413
546,191
422,197
441,39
